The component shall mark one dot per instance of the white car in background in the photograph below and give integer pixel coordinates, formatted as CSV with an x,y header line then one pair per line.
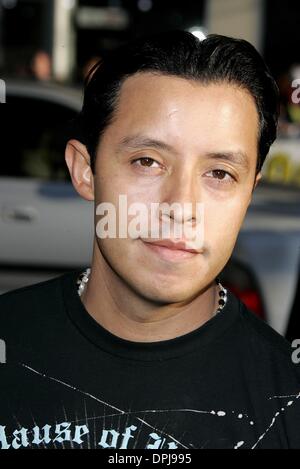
x,y
47,229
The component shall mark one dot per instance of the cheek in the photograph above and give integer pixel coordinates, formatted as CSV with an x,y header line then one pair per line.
x,y
222,222
113,181
132,204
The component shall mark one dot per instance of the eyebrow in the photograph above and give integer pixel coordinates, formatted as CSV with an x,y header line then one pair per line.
x,y
239,158
137,141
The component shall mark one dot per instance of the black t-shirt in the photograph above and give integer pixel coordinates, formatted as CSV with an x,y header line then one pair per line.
x,y
69,383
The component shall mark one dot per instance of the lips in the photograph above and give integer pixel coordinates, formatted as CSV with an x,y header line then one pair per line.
x,y
176,246
170,251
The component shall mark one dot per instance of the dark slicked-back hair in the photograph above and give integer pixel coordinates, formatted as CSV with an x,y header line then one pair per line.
x,y
215,59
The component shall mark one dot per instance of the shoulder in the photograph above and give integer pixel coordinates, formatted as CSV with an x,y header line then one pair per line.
x,y
262,332
28,294
265,343
31,303
33,319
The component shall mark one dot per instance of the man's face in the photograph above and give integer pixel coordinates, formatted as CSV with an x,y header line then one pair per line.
x,y
177,141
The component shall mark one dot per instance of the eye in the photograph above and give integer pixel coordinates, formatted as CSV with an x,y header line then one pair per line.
x,y
221,175
146,162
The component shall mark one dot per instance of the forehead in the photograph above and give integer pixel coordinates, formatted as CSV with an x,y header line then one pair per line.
x,y
148,92
186,112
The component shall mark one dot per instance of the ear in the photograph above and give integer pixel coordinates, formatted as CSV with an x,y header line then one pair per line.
x,y
78,161
257,179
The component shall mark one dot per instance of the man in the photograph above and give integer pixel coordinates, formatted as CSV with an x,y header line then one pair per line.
x,y
146,349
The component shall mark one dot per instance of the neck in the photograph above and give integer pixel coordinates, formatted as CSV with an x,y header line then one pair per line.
x,y
128,315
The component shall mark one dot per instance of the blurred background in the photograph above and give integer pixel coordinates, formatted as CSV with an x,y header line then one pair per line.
x,y
47,48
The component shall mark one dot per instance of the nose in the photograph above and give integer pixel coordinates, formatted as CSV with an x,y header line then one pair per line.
x,y
181,196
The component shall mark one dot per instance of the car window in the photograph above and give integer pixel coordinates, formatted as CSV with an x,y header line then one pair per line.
x,y
33,138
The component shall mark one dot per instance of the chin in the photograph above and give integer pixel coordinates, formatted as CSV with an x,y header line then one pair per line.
x,y
168,295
